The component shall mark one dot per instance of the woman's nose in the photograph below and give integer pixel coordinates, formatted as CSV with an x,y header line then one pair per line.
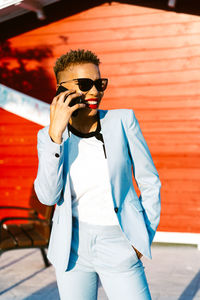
x,y
93,90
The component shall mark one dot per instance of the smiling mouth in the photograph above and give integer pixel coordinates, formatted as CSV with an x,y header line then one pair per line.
x,y
92,103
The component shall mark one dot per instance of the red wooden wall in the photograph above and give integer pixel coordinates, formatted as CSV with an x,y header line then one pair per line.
x,y
18,161
152,60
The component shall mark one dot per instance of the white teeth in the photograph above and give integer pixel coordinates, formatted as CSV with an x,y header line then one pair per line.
x,y
92,102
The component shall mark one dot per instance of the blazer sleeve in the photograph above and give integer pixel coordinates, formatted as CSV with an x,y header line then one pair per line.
x,y
49,181
145,174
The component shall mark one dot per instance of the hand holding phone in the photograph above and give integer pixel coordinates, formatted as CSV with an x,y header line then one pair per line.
x,y
73,101
60,113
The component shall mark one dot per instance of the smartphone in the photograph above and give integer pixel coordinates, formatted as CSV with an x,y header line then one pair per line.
x,y
73,101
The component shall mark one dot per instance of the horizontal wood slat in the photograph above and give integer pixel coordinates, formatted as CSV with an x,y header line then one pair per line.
x,y
144,102
148,67
181,32
22,239
106,10
17,150
121,21
139,51
155,79
7,241
29,161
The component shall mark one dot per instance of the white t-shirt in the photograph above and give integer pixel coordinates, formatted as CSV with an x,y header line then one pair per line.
x,y
89,180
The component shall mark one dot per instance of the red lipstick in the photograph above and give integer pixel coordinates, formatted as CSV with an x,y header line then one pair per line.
x,y
92,103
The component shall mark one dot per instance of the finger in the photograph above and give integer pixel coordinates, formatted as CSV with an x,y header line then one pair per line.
x,y
62,96
57,96
72,96
52,107
54,101
77,106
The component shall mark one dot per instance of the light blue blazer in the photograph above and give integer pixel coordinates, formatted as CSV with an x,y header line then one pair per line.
x,y
125,149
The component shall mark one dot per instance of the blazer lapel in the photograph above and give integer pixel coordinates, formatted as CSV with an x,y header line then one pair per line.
x,y
106,125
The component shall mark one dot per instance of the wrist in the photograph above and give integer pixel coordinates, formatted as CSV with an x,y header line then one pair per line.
x,y
56,138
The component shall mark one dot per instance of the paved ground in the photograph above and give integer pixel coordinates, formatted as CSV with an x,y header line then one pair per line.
x,y
173,274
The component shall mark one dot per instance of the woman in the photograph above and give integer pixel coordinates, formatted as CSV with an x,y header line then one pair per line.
x,y
100,226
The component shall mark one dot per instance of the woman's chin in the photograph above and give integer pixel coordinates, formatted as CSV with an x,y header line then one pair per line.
x,y
90,112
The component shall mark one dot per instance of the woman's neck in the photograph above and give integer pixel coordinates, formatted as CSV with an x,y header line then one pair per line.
x,y
84,123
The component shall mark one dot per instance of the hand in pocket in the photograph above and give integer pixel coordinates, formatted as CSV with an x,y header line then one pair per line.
x,y
139,255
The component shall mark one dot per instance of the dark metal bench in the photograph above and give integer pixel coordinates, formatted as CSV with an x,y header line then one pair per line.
x,y
33,234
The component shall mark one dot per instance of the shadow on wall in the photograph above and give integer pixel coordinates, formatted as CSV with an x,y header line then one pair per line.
x,y
24,72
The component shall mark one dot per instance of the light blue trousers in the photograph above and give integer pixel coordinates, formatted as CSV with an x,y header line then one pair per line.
x,y
102,252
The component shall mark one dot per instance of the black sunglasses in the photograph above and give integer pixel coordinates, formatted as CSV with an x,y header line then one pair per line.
x,y
85,84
